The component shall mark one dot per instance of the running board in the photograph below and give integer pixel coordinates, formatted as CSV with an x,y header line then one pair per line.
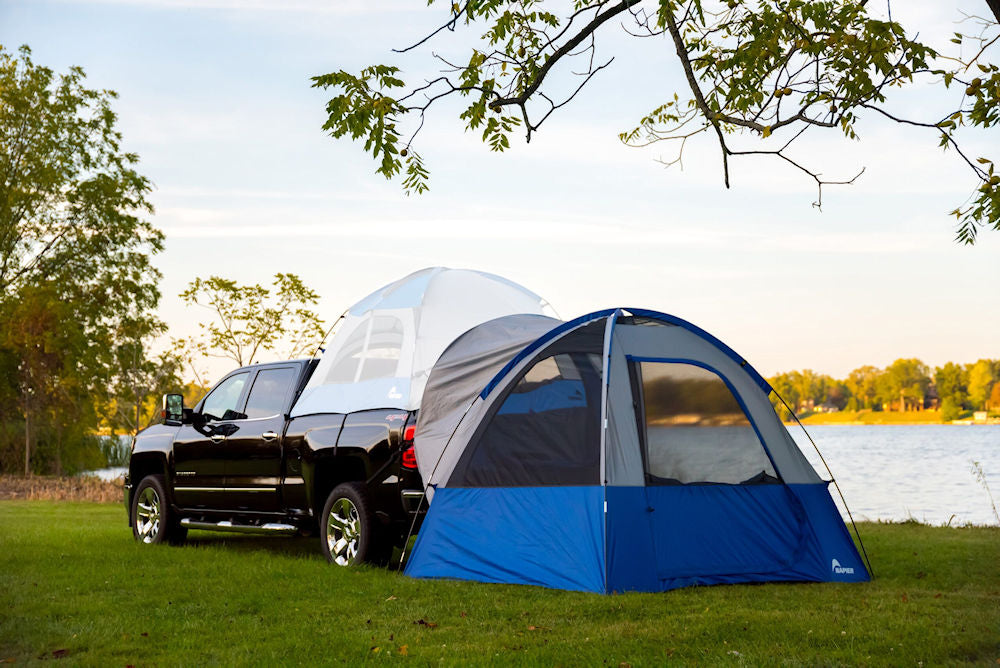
x,y
226,525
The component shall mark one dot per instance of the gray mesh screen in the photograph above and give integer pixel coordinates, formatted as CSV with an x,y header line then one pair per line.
x,y
695,431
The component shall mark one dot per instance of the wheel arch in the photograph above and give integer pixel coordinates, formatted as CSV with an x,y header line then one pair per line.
x,y
141,465
325,473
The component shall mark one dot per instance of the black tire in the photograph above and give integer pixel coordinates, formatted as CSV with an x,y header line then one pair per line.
x,y
349,532
152,519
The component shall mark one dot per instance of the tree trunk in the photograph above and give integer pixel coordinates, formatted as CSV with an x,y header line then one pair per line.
x,y
902,402
27,441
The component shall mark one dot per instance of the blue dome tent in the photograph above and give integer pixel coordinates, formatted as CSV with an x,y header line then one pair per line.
x,y
626,450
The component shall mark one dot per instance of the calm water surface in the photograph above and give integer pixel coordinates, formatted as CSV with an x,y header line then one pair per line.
x,y
922,472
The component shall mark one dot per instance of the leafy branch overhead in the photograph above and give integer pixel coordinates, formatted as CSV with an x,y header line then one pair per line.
x,y
758,73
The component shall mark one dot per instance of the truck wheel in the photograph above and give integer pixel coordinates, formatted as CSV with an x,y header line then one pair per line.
x,y
152,519
347,530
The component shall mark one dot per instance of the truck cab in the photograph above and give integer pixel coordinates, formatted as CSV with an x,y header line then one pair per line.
x,y
236,461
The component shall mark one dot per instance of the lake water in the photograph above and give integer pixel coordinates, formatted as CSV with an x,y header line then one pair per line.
x,y
109,474
922,472
900,472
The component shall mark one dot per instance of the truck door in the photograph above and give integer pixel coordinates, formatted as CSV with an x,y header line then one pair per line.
x,y
199,454
254,451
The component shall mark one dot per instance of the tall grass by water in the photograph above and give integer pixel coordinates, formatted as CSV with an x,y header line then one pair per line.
x,y
61,488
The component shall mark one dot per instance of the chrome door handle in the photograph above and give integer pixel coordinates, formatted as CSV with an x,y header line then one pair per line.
x,y
218,438
269,436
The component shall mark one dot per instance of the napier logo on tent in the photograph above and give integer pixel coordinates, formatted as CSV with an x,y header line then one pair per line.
x,y
394,393
841,570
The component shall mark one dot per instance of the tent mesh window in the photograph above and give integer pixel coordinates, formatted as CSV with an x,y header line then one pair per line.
x,y
372,351
545,431
696,431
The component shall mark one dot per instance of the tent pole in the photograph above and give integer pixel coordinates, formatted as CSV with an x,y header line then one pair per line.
x,y
427,485
319,346
833,479
609,331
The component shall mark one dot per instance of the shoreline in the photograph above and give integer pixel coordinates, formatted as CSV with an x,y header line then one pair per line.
x,y
810,422
930,416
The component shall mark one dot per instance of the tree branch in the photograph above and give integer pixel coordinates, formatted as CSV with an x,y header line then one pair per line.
x,y
564,50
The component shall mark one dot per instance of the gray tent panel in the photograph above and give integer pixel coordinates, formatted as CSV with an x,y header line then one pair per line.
x,y
458,377
442,456
669,342
623,464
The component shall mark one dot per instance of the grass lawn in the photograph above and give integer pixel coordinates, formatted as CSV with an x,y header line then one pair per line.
x,y
74,585
875,417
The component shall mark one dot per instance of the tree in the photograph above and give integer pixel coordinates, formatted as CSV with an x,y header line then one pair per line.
x,y
784,388
251,319
139,377
950,409
71,201
759,75
994,403
75,248
837,393
805,390
810,388
43,350
862,383
907,380
952,381
982,375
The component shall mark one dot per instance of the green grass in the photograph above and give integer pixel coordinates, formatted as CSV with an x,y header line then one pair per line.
x,y
72,579
875,417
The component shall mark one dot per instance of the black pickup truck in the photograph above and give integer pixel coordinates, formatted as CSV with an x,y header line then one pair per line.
x,y
237,462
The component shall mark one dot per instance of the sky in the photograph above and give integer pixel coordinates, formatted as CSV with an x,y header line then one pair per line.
x,y
215,97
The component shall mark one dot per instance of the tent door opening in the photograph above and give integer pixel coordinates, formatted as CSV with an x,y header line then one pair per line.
x,y
716,504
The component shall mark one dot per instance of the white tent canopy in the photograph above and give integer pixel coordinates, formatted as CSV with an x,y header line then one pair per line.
x,y
383,351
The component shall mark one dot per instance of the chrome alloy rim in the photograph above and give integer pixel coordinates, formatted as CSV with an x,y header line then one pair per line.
x,y
147,515
343,532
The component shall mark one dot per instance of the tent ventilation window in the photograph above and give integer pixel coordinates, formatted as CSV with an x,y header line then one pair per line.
x,y
546,430
695,429
372,351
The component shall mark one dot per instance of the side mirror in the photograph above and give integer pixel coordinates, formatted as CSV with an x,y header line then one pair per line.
x,y
173,409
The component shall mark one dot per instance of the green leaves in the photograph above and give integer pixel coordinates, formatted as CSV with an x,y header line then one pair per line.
x,y
416,175
984,205
363,111
769,69
75,250
250,319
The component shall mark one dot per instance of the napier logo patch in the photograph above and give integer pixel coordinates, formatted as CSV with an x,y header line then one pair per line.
x,y
841,570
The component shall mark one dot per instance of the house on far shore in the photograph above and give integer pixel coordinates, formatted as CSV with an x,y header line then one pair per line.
x,y
979,416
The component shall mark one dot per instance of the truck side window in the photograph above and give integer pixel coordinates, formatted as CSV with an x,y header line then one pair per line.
x,y
221,403
267,396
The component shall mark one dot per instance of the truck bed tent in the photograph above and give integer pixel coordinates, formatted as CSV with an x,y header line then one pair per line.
x,y
383,350
624,450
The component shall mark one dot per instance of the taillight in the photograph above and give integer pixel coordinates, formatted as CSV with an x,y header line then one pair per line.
x,y
409,455
409,458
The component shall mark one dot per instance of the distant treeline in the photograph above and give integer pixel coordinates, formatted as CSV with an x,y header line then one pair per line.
x,y
904,385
